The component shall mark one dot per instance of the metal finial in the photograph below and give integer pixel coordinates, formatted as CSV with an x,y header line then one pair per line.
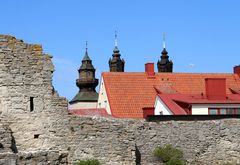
x,y
164,40
115,38
86,45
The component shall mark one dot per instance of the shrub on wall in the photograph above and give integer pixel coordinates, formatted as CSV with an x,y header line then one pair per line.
x,y
88,162
169,155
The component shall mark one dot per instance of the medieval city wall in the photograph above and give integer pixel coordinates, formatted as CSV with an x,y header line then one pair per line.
x,y
35,125
130,141
125,141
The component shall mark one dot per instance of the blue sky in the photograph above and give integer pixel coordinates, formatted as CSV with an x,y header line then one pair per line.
x,y
201,35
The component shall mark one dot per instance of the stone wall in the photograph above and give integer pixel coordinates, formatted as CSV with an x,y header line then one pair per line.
x,y
32,158
125,141
128,141
9,154
28,99
7,142
36,127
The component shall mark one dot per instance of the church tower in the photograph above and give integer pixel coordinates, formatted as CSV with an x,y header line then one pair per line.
x,y
87,96
116,64
164,65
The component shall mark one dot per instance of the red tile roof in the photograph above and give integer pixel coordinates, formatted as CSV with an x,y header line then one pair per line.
x,y
89,112
129,92
168,100
190,99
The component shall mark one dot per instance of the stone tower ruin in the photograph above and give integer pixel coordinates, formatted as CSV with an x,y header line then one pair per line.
x,y
29,102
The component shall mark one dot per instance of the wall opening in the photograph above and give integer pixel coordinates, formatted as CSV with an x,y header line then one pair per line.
x,y
138,155
31,104
36,136
1,146
13,144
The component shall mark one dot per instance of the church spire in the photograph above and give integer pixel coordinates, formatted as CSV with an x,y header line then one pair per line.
x,y
116,64
164,65
86,82
86,57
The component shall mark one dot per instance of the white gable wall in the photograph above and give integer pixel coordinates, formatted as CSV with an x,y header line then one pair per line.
x,y
161,108
103,99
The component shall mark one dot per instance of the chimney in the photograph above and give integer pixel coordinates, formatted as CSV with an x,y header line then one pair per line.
x,y
236,70
215,88
149,69
148,111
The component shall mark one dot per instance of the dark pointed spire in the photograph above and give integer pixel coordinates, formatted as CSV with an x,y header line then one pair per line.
x,y
116,64
86,57
164,65
164,52
86,82
86,61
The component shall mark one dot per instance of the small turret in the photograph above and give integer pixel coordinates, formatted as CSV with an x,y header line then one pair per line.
x,y
116,64
86,82
164,65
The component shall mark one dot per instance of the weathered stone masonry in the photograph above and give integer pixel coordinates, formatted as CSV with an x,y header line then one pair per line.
x,y
35,126
117,140
27,96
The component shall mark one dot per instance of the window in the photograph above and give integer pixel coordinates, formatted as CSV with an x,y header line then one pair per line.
x,y
224,111
237,111
230,111
213,111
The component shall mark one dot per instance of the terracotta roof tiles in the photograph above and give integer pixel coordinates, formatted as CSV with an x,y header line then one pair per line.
x,y
129,92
